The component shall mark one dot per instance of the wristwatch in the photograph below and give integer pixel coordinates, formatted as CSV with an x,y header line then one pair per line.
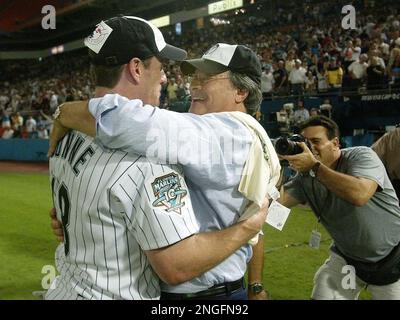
x,y
256,287
314,170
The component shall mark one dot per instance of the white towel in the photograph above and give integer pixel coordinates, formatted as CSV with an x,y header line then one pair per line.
x,y
262,168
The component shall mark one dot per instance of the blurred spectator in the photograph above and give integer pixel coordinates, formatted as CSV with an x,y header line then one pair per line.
x,y
15,100
172,89
53,101
24,133
3,99
301,113
334,74
348,55
358,72
384,48
314,112
297,79
5,121
394,64
311,83
69,96
267,82
42,132
285,118
40,121
326,108
30,125
17,121
357,49
7,133
280,79
376,54
181,92
321,78
290,62
47,121
375,75
164,96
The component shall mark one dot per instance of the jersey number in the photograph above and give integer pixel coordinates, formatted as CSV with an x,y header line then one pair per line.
x,y
64,205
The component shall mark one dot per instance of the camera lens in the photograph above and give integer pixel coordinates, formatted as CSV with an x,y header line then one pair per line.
x,y
286,147
283,146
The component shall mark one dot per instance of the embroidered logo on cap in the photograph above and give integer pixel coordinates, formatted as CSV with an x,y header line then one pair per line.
x,y
221,53
211,50
99,37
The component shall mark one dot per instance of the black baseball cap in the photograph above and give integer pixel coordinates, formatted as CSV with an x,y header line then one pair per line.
x,y
117,40
223,57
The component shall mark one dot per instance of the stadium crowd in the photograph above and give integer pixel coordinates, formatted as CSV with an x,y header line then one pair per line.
x,y
303,49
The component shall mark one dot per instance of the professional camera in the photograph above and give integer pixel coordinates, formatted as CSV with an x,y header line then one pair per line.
x,y
289,147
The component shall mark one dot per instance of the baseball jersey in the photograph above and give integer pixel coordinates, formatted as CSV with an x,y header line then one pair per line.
x,y
113,207
212,150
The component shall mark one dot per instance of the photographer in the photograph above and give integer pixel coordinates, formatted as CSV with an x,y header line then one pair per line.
x,y
386,148
352,196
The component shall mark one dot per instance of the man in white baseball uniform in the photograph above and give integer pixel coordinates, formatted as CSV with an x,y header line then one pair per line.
x,y
128,222
226,155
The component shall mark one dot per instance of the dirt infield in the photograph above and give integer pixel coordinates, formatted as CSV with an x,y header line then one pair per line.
x,y
20,166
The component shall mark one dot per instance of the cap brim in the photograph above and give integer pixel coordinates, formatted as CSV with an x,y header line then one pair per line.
x,y
203,65
172,53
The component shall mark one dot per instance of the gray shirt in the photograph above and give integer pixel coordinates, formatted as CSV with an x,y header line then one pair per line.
x,y
366,233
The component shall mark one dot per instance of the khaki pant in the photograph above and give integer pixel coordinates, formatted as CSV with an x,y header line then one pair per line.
x,y
328,284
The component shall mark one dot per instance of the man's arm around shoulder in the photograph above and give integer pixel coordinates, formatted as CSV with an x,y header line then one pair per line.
x,y
199,253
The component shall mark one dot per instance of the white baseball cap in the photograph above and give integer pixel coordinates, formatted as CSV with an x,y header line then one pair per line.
x,y
223,57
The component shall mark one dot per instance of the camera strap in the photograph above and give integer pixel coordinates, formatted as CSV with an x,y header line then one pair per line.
x,y
315,238
325,201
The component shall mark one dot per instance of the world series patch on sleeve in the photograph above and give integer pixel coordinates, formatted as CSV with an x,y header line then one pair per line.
x,y
169,193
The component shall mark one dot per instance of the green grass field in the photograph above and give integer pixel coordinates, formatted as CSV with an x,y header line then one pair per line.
x,y
290,263
27,243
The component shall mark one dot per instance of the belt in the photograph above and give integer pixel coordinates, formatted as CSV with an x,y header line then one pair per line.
x,y
226,288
